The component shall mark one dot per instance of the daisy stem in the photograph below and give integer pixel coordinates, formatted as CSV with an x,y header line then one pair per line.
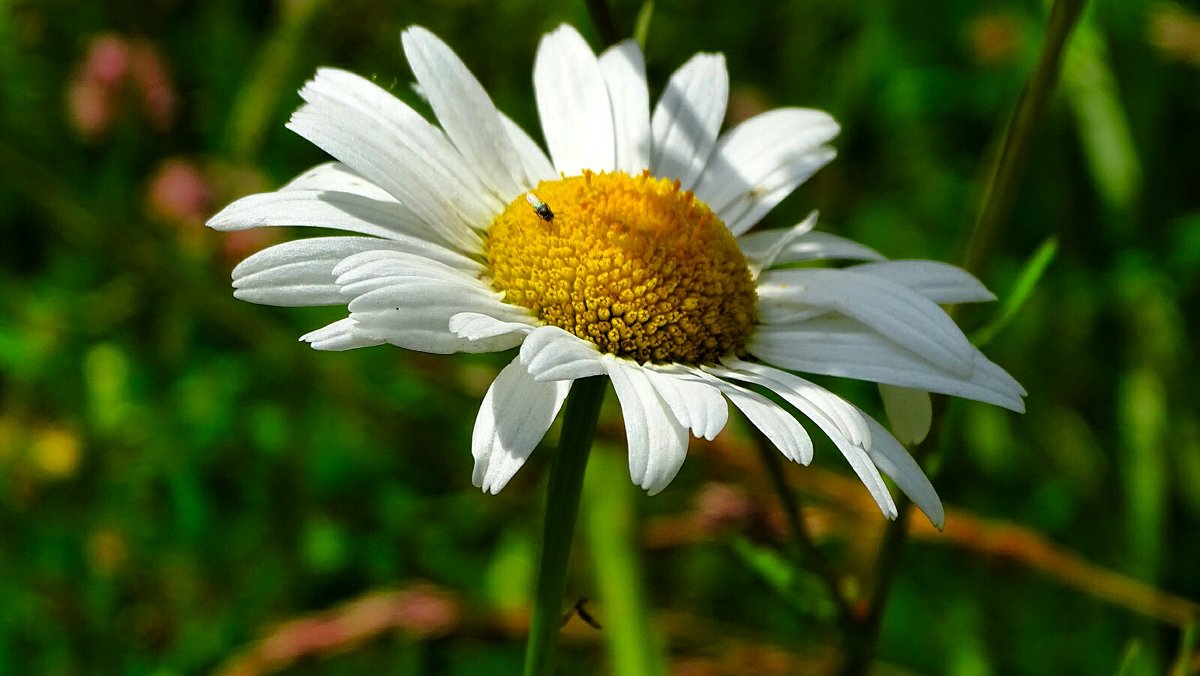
x,y
562,506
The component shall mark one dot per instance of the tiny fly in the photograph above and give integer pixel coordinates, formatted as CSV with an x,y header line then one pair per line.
x,y
539,207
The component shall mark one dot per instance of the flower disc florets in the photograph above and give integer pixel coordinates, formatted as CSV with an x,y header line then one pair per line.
x,y
633,264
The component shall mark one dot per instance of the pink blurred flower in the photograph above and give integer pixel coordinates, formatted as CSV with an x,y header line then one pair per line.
x,y
113,69
179,193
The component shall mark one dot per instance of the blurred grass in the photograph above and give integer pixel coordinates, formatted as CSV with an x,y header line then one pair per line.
x,y
178,475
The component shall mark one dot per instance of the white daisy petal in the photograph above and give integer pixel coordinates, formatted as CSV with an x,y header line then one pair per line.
x,y
338,336
939,282
776,424
810,246
688,117
550,353
755,166
299,273
351,213
465,111
488,333
842,348
625,76
573,104
809,398
909,411
750,154
761,198
829,413
894,461
408,302
761,252
439,295
893,310
383,139
778,303
536,165
657,442
422,330
697,405
381,262
861,462
352,143
337,177
515,414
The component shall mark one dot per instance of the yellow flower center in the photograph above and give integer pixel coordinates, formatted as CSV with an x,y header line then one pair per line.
x,y
631,263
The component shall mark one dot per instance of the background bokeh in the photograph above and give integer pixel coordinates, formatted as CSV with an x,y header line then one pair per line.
x,y
185,488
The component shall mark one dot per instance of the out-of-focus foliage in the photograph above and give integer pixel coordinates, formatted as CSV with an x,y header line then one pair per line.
x,y
178,475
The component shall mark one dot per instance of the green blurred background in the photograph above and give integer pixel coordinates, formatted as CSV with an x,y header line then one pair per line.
x,y
185,488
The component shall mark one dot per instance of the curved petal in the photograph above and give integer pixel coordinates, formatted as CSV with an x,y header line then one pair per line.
x,y
812,400
893,310
408,301
465,111
550,353
351,213
339,336
939,282
839,347
762,160
810,246
572,102
387,142
337,177
688,117
515,414
758,148
657,442
894,461
697,405
534,161
761,198
776,424
300,273
826,411
625,76
489,334
761,252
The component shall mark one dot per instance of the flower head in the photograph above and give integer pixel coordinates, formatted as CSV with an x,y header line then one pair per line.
x,y
624,253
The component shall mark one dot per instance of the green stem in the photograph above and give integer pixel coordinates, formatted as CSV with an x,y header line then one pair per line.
x,y
256,101
810,556
1031,107
993,215
562,506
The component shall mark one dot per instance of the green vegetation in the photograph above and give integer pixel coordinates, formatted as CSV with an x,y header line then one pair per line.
x,y
185,488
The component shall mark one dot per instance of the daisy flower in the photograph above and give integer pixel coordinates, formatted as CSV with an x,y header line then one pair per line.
x,y
623,252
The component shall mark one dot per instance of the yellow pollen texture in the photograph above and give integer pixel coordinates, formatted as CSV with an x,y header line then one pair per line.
x,y
631,263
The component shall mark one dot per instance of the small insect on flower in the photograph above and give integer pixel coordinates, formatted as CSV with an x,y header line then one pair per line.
x,y
539,207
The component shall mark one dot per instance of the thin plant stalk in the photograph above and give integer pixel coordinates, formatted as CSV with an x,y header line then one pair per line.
x,y
1022,127
809,555
562,507
994,215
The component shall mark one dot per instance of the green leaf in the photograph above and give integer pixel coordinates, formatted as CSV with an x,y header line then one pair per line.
x,y
800,588
1021,292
